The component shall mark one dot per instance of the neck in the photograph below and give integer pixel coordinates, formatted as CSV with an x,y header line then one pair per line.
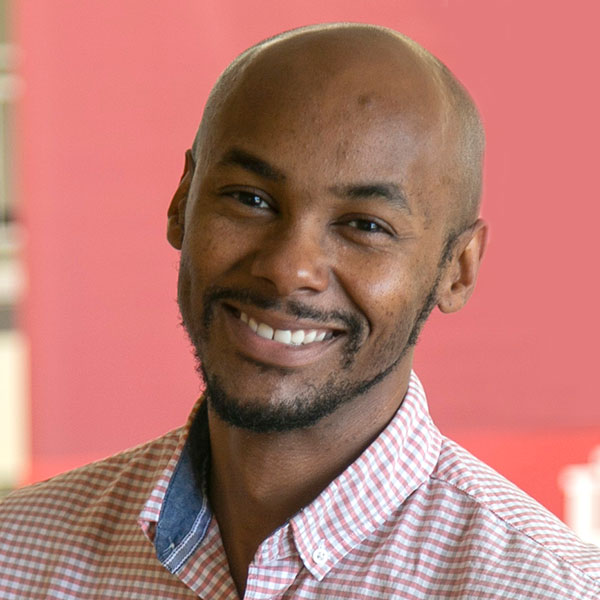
x,y
258,481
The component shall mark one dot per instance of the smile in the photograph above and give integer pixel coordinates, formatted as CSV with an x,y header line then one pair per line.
x,y
291,337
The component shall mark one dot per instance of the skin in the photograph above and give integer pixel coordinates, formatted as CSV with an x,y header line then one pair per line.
x,y
341,116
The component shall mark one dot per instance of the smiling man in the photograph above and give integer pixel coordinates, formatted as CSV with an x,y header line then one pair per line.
x,y
329,202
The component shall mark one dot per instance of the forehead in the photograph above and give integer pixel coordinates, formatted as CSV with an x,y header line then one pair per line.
x,y
334,113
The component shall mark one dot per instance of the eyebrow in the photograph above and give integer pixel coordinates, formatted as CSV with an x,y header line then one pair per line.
x,y
240,158
390,192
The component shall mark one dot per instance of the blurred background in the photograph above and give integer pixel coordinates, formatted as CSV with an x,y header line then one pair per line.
x,y
98,102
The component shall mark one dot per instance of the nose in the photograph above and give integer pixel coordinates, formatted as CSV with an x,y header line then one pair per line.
x,y
293,260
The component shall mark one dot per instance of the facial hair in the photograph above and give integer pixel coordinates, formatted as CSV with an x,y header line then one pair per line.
x,y
313,404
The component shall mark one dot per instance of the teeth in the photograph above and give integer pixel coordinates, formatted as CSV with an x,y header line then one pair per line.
x,y
284,336
298,337
265,331
309,336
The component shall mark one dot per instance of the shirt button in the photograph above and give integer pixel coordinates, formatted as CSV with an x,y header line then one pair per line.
x,y
320,556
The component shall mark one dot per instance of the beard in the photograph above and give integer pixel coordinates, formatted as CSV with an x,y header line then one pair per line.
x,y
316,402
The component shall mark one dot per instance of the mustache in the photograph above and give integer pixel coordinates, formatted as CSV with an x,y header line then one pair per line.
x,y
353,325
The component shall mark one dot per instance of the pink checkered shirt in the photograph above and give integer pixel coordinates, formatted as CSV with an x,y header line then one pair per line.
x,y
415,516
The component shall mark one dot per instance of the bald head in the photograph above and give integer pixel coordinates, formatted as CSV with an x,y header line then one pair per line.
x,y
335,180
331,68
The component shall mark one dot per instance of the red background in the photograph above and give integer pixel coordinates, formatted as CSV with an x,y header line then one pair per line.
x,y
114,90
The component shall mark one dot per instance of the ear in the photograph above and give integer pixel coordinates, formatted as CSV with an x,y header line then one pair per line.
x,y
460,275
176,212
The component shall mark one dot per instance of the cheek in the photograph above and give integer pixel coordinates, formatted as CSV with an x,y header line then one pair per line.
x,y
393,315
211,247
184,291
380,287
390,292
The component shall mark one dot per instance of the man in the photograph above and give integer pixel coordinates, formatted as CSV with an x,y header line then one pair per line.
x,y
328,204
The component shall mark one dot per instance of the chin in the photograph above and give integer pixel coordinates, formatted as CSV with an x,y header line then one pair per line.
x,y
296,409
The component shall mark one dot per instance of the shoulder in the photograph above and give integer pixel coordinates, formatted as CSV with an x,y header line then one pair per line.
x,y
71,534
525,538
109,488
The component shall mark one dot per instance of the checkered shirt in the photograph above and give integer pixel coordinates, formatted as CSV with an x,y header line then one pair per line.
x,y
414,517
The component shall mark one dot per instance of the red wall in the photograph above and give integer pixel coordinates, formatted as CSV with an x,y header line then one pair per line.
x,y
113,93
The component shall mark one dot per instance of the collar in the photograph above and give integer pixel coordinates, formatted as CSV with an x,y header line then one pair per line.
x,y
177,514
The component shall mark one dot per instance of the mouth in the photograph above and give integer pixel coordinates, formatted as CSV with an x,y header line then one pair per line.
x,y
265,337
288,337
282,331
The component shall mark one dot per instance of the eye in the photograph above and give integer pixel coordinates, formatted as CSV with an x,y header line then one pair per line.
x,y
251,199
367,226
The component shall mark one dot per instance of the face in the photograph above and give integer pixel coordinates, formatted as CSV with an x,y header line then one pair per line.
x,y
311,252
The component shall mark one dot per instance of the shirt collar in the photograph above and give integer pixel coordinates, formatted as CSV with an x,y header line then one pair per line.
x,y
177,514
403,456
365,495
